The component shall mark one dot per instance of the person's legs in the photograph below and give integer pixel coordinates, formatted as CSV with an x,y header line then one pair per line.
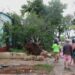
x,y
71,62
65,61
54,55
74,61
65,65
57,57
74,58
68,62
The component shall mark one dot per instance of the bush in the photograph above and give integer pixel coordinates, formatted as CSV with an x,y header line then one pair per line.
x,y
16,50
62,38
45,67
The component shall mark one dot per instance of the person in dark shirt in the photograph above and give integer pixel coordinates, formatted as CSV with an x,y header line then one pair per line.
x,y
73,50
67,52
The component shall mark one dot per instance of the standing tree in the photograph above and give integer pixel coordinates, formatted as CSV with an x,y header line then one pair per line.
x,y
51,15
55,16
41,12
73,21
16,29
36,6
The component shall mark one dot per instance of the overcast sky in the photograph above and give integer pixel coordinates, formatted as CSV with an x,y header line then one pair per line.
x,y
15,5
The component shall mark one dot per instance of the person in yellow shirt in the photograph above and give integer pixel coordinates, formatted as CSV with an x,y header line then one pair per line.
x,y
56,50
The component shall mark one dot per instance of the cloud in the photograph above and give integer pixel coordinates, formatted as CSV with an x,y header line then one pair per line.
x,y
11,5
15,5
70,6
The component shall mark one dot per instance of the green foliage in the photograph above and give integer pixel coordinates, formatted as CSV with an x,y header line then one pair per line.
x,y
56,10
68,19
36,6
62,38
71,27
41,23
33,27
45,67
33,24
16,50
37,28
73,21
51,20
2,41
16,19
55,15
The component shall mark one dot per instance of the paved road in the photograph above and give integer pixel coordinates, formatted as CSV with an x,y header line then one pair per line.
x,y
59,69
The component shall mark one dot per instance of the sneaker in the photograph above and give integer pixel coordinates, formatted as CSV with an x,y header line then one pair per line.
x,y
69,69
65,68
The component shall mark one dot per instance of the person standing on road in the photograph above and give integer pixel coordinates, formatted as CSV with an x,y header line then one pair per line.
x,y
67,52
56,51
73,50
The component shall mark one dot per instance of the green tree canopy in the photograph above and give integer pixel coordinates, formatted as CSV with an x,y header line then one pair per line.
x,y
36,6
41,23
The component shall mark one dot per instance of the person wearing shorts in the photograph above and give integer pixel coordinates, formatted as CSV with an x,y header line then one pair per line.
x,y
56,51
67,52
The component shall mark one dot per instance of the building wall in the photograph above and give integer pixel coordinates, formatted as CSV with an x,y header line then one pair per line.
x,y
5,18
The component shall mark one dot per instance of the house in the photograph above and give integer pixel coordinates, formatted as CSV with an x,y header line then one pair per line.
x,y
69,34
3,19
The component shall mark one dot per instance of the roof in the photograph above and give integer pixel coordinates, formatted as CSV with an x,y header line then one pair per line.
x,y
6,15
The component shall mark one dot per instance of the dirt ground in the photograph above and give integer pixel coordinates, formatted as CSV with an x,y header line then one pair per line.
x,y
20,64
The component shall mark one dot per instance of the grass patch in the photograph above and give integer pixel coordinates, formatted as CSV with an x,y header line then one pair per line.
x,y
46,67
16,50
